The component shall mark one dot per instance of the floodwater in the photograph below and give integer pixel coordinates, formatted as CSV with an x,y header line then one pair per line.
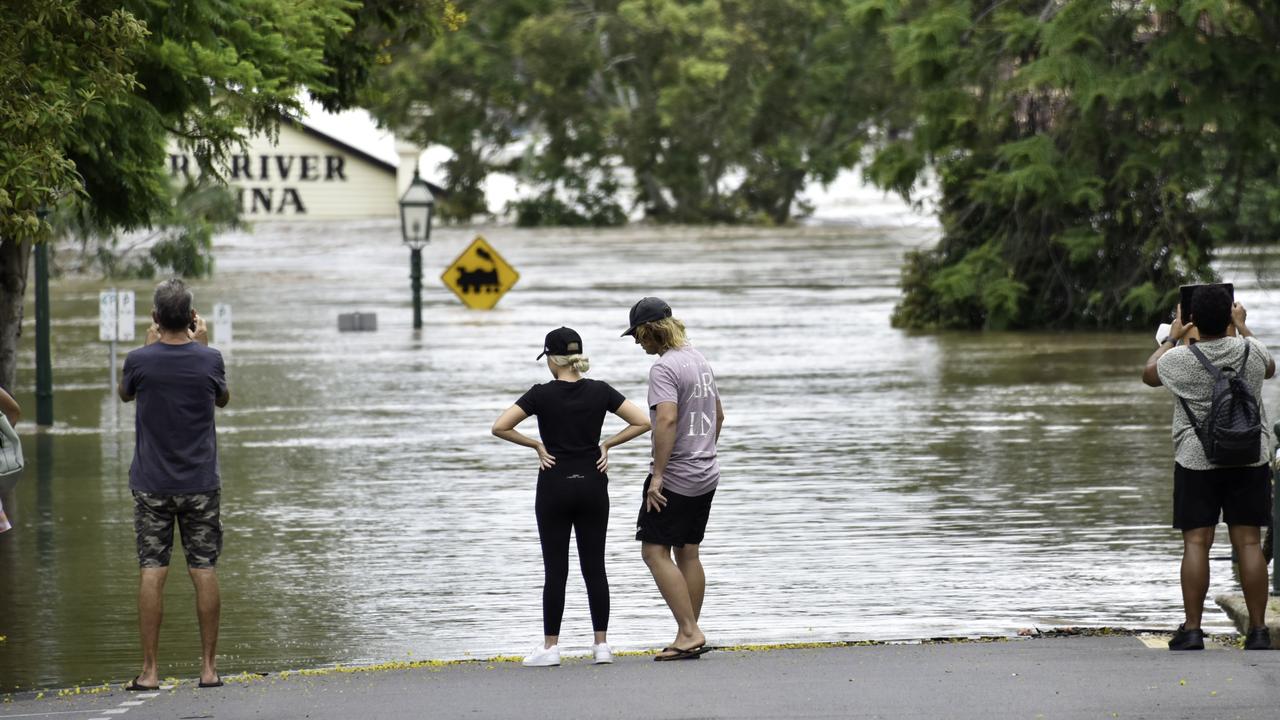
x,y
877,483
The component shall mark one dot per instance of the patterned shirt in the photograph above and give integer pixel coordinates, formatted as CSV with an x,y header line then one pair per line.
x,y
1186,378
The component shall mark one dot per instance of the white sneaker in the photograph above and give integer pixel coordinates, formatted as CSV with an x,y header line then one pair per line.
x,y
602,653
543,657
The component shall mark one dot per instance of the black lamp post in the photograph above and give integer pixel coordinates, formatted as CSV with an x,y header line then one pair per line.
x,y
417,208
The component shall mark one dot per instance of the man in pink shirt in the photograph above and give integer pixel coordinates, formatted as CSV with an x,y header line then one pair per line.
x,y
685,411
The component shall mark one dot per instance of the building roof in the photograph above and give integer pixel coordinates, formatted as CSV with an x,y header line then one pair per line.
x,y
378,162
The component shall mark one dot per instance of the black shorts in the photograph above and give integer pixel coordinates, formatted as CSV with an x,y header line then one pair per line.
x,y
683,520
1241,495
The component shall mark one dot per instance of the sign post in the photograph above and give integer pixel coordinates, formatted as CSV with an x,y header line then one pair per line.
x,y
108,322
115,322
222,325
480,277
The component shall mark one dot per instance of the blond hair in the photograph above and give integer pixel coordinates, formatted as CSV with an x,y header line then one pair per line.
x,y
665,334
579,363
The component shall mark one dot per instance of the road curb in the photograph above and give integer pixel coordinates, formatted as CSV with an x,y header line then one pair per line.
x,y
1234,607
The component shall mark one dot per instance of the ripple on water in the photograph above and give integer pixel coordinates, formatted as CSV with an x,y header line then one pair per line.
x,y
877,483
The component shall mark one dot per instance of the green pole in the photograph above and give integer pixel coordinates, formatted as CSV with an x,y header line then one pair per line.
x,y
44,359
415,274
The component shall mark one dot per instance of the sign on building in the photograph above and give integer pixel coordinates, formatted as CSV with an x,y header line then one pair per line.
x,y
480,277
301,174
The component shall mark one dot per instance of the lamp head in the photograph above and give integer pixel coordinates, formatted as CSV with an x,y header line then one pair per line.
x,y
417,209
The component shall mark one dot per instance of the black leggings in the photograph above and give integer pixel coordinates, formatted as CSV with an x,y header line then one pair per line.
x,y
575,496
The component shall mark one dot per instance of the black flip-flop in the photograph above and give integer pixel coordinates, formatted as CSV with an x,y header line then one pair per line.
x,y
692,653
133,686
215,683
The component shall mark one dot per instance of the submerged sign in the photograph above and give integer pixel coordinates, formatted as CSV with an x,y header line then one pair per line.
x,y
480,277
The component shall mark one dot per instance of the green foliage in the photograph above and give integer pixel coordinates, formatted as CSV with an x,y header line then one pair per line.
x,y
91,91
180,241
352,55
709,110
978,291
61,63
459,91
196,213
1090,154
549,211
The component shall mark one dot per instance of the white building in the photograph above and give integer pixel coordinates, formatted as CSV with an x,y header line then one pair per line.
x,y
307,174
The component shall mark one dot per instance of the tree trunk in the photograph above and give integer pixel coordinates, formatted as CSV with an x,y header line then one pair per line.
x,y
14,260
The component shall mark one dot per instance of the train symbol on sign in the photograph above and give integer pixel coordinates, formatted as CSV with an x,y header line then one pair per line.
x,y
481,279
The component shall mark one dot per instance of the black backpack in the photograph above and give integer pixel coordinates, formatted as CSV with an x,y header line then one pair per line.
x,y
1231,434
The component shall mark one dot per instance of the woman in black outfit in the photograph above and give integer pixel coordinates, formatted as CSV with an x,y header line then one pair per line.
x,y
573,489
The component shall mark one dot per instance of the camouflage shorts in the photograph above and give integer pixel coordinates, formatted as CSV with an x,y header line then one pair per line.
x,y
199,520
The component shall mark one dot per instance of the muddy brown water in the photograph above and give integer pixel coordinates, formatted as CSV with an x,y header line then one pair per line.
x,y
877,483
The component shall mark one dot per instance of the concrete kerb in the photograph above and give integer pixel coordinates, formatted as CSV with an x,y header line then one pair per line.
x,y
250,677
1234,607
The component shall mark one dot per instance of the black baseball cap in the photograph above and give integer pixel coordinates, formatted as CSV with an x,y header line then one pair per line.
x,y
561,341
647,310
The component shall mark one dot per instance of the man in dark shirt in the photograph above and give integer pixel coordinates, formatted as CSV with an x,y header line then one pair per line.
x,y
177,380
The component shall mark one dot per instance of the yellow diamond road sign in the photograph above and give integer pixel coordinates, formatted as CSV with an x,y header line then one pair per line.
x,y
480,277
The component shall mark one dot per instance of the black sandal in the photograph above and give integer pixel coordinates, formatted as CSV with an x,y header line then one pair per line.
x,y
692,653
133,686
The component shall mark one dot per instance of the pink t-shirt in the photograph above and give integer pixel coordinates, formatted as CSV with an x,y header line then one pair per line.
x,y
682,376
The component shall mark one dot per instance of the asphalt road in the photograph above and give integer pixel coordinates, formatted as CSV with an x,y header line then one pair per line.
x,y
1052,677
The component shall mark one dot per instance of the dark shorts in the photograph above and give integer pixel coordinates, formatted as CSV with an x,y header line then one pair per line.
x,y
199,519
683,521
1241,495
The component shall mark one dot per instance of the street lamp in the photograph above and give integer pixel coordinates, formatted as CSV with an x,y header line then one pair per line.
x,y
417,208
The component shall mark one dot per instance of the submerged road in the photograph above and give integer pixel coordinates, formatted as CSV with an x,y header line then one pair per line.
x,y
1049,677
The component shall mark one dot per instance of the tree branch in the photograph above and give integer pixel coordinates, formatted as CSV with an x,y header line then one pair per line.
x,y
1268,22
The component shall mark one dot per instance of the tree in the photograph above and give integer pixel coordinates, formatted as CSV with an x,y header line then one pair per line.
x,y
91,91
460,91
1090,154
734,106
711,111
58,66
354,57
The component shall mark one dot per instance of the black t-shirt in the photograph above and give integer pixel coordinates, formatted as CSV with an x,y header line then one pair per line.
x,y
570,414
177,445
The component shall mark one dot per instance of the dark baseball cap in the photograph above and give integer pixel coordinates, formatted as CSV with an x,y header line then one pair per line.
x,y
561,341
647,310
